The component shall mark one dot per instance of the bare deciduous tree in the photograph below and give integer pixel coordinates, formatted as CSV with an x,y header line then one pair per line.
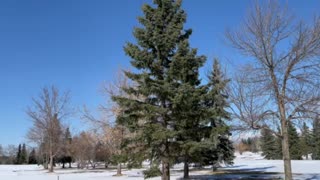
x,y
83,147
47,113
112,134
282,82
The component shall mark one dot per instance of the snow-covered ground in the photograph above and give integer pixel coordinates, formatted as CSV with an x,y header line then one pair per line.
x,y
254,162
247,166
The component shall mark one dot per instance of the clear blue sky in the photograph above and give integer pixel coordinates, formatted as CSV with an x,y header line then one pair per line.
x,y
77,44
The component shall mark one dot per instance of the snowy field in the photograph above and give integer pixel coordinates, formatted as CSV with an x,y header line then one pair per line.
x,y
247,166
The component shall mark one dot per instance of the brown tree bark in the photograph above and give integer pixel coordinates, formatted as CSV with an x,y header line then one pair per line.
x,y
165,169
186,168
285,150
51,163
119,173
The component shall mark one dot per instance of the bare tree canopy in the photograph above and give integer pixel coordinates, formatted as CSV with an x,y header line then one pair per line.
x,y
110,133
281,83
46,114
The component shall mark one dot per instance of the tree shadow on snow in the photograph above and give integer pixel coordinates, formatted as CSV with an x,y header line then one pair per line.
x,y
313,177
239,174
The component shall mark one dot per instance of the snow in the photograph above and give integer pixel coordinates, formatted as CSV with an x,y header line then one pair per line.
x,y
246,166
255,161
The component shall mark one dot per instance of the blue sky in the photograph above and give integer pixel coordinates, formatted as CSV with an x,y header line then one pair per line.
x,y
78,44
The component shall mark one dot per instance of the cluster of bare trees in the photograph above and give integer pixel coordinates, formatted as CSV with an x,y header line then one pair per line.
x,y
101,144
281,83
8,154
47,114
112,135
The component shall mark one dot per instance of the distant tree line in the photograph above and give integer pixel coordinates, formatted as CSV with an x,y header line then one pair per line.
x,y
304,144
17,155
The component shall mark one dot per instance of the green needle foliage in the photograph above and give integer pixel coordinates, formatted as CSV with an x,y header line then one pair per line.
x,y
160,41
269,144
294,143
219,148
306,140
173,116
316,139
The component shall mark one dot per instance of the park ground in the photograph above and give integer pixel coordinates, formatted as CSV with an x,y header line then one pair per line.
x,y
249,166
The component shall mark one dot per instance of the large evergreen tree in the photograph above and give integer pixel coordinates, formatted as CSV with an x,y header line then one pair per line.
x,y
32,157
268,144
294,143
278,145
18,156
306,140
24,155
162,50
219,147
188,111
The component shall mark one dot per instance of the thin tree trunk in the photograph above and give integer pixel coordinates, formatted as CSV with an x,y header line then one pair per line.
x,y
45,162
285,142
166,163
215,166
51,164
165,169
186,168
119,173
284,126
285,150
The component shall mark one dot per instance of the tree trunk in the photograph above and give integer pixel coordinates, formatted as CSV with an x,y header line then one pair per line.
x,y
215,166
119,173
165,163
165,169
285,151
51,164
45,163
285,142
284,127
186,169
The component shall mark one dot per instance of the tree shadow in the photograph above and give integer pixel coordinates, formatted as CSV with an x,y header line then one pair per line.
x,y
259,169
239,174
313,177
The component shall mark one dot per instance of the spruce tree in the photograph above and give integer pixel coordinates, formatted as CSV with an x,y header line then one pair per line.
x,y
219,147
188,111
32,157
268,144
278,145
316,139
306,140
225,149
24,155
66,154
161,50
18,157
294,143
